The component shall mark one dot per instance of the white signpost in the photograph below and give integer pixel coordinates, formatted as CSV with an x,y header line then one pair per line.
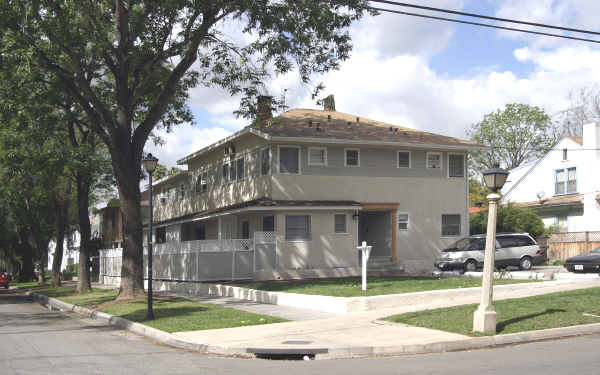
x,y
366,252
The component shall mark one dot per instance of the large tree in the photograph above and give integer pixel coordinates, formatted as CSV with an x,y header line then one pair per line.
x,y
584,107
126,62
516,134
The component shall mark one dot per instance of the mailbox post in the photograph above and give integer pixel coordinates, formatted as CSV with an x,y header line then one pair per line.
x,y
366,252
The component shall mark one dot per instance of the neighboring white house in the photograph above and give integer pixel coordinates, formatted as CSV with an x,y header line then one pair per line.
x,y
70,250
564,185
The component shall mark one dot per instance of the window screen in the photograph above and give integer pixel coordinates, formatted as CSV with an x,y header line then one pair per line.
x,y
352,158
456,165
240,169
402,222
289,160
450,225
340,223
403,159
265,161
297,228
434,161
317,156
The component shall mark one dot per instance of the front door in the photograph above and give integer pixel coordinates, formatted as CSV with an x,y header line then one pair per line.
x,y
375,227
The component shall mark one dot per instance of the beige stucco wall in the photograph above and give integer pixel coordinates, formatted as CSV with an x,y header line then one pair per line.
x,y
326,249
425,199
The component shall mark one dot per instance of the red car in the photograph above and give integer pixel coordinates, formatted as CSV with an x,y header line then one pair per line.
x,y
4,280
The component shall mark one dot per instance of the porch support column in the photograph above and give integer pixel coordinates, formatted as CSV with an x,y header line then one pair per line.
x,y
219,228
394,234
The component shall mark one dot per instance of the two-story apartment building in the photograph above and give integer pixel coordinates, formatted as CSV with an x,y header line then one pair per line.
x,y
320,182
563,186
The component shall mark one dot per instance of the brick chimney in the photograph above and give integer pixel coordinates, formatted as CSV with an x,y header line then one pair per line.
x,y
329,103
265,107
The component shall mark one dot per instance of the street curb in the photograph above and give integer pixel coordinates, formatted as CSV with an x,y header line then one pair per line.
x,y
138,328
329,353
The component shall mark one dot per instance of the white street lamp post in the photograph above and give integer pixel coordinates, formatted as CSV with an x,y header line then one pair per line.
x,y
485,317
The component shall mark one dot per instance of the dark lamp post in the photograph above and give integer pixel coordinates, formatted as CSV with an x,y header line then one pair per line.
x,y
485,317
495,178
150,163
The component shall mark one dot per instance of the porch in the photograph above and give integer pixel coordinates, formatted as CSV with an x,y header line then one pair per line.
x,y
200,260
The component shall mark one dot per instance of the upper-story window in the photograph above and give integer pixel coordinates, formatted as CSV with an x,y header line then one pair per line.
x,y
265,161
352,157
289,159
565,181
434,160
403,159
233,170
456,165
240,169
317,156
202,182
565,154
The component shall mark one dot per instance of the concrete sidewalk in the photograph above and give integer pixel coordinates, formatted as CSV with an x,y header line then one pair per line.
x,y
362,333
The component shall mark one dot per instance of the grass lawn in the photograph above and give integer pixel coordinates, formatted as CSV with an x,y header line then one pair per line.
x,y
27,284
351,286
171,314
553,310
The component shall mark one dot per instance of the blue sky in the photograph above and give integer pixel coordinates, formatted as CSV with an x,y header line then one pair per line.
x,y
429,75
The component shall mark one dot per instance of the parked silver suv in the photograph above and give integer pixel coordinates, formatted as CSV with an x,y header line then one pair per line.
x,y
512,249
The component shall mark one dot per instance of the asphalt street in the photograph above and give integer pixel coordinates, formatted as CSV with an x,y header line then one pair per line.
x,y
34,340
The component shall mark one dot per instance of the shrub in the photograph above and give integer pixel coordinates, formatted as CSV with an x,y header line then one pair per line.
x,y
510,219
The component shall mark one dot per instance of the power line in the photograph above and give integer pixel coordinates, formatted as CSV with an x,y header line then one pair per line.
x,y
486,17
483,24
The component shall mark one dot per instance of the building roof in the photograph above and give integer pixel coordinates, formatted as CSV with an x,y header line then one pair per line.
x,y
559,200
577,139
325,126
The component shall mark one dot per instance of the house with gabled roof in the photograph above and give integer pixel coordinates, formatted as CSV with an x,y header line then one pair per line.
x,y
295,196
563,186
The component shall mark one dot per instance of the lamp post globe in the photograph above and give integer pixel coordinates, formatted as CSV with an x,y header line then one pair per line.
x,y
485,317
150,163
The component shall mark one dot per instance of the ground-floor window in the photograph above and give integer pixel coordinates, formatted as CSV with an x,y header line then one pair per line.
x,y
340,223
297,228
450,225
268,224
403,222
245,229
192,232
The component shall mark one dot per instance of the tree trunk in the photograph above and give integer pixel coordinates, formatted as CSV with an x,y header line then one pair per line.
x,y
127,171
62,207
26,272
83,270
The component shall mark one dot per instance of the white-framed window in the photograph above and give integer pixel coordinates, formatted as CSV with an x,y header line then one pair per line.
x,y
456,165
434,160
297,228
181,191
265,161
565,181
403,159
317,156
351,157
340,223
289,159
202,182
450,225
240,168
403,221
225,169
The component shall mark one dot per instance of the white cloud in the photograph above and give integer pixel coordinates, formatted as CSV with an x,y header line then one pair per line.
x,y
184,140
389,77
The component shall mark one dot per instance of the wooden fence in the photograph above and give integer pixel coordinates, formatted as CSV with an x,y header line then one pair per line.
x,y
565,245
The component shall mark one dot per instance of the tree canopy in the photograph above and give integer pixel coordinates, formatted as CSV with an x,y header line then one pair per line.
x,y
129,64
516,134
510,219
